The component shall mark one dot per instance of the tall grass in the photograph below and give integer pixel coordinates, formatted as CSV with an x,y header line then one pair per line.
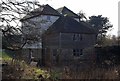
x,y
94,73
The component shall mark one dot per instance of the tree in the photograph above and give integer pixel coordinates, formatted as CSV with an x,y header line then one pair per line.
x,y
13,36
118,40
11,12
82,16
101,25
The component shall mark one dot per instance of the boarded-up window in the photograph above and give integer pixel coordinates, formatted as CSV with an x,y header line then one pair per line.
x,y
77,52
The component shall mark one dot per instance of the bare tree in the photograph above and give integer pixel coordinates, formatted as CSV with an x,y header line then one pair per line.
x,y
11,12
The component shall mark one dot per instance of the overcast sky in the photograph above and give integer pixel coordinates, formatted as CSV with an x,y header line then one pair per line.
x,y
107,8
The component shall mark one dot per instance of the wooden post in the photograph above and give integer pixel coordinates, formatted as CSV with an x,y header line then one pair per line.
x,y
58,56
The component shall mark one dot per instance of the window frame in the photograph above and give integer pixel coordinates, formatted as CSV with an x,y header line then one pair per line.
x,y
77,37
77,52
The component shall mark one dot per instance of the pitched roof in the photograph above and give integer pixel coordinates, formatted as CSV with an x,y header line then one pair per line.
x,y
65,11
88,25
69,25
43,10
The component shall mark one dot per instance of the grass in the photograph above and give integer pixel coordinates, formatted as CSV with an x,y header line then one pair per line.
x,y
34,73
5,56
20,69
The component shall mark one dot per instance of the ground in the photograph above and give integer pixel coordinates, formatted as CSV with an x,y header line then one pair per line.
x,y
20,70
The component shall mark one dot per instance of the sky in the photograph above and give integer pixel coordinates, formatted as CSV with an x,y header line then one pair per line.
x,y
106,8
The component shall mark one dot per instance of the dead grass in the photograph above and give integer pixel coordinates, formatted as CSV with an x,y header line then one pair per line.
x,y
21,70
24,71
93,73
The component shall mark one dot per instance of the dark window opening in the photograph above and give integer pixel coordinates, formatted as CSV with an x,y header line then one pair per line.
x,y
77,37
54,52
77,52
81,37
81,51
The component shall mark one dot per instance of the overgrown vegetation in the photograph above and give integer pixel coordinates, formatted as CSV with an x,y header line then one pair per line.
x,y
21,70
5,56
108,55
18,69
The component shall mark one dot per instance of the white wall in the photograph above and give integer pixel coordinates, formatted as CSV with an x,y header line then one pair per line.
x,y
41,24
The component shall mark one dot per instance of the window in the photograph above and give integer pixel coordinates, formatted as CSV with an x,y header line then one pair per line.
x,y
77,52
54,52
48,17
77,37
81,37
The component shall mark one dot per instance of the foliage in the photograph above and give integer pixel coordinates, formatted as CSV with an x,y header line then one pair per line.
x,y
101,25
55,75
118,40
108,54
5,56
21,70
35,73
